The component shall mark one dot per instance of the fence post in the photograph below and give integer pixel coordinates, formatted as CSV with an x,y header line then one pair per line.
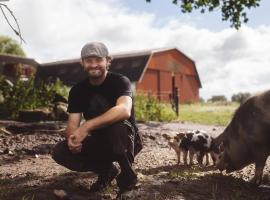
x,y
174,96
176,100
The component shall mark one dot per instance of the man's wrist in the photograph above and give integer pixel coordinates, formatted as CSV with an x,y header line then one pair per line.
x,y
87,127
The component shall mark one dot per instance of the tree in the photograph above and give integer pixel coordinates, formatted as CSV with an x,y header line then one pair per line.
x,y
232,10
10,46
241,97
218,98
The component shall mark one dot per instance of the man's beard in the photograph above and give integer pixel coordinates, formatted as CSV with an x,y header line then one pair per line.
x,y
96,74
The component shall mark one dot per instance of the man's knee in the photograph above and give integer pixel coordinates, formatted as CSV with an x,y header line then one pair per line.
x,y
59,152
119,126
120,130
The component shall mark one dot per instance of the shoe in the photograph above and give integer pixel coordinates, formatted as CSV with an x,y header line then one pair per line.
x,y
104,179
126,183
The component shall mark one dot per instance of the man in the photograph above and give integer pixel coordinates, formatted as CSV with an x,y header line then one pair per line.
x,y
109,132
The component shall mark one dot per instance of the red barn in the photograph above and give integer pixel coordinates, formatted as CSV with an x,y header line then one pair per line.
x,y
160,66
150,71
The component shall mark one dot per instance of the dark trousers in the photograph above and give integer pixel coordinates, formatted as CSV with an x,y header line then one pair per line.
x,y
100,150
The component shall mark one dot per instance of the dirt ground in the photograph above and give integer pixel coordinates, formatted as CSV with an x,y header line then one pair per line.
x,y
27,171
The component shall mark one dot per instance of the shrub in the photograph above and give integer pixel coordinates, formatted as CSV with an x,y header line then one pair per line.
x,y
27,95
218,98
240,97
148,108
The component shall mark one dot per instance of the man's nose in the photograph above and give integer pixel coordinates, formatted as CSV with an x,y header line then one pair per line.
x,y
93,65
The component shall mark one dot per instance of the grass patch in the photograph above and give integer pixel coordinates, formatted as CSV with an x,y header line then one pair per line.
x,y
208,113
187,174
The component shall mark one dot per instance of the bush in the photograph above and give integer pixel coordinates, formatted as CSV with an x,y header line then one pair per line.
x,y
27,95
148,108
240,97
218,98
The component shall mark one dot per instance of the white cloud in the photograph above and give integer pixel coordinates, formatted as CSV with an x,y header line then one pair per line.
x,y
228,61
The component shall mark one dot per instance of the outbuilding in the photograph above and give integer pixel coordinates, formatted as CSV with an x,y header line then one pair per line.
x,y
153,72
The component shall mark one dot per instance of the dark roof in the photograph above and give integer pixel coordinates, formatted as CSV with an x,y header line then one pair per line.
x,y
132,67
7,58
70,71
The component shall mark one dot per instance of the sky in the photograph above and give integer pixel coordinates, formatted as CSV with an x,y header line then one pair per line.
x,y
228,61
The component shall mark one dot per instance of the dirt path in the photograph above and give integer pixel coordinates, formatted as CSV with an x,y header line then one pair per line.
x,y
27,171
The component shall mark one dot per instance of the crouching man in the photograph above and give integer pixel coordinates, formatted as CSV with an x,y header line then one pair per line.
x,y
109,132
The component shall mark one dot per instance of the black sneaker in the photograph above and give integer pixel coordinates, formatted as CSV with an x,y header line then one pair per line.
x,y
104,179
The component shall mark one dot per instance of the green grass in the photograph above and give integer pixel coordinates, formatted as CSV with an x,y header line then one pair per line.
x,y
207,113
187,174
213,113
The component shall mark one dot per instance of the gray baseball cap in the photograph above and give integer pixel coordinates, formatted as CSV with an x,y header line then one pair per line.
x,y
94,49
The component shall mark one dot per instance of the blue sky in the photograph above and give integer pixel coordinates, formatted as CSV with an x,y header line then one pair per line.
x,y
228,61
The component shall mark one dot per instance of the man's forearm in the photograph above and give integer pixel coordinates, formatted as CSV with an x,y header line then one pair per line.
x,y
69,131
73,123
115,114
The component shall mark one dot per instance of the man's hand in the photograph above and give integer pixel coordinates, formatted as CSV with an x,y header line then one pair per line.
x,y
74,145
76,138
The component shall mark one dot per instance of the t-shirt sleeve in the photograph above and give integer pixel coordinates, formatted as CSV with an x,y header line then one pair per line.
x,y
124,87
74,104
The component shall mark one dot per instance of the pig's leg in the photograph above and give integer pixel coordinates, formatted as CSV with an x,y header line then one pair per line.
x,y
191,156
179,156
185,156
177,151
259,166
207,159
213,156
200,158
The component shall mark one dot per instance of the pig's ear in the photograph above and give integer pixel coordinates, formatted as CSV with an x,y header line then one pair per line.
x,y
180,135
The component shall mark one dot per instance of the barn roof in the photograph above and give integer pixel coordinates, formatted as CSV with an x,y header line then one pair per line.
x,y
147,53
131,63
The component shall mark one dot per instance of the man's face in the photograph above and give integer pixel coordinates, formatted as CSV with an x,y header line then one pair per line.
x,y
96,67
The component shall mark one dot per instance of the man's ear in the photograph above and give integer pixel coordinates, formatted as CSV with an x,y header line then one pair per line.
x,y
109,60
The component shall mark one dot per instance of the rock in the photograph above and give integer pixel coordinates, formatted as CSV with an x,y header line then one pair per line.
x,y
34,115
61,194
10,153
3,130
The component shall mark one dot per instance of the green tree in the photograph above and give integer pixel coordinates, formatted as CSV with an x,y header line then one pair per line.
x,y
232,10
10,46
241,97
217,98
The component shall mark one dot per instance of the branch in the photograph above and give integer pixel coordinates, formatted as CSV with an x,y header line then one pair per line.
x,y
231,10
17,30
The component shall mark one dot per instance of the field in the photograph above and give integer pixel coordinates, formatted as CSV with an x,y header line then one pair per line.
x,y
207,113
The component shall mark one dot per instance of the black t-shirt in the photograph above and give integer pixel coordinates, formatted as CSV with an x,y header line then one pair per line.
x,y
92,100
